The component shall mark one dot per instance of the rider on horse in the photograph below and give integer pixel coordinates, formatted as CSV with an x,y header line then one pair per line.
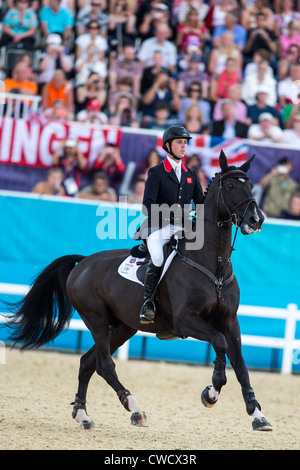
x,y
170,183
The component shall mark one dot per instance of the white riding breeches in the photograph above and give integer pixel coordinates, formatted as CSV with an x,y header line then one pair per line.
x,y
157,240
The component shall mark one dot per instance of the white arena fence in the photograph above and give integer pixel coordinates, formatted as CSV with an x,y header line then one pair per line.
x,y
288,343
18,105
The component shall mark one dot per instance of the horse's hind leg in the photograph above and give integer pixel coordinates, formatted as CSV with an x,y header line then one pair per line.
x,y
86,370
234,352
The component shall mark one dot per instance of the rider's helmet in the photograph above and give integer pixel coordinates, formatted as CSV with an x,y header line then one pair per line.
x,y
175,132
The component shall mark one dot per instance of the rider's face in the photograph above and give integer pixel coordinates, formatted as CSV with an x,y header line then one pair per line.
x,y
179,147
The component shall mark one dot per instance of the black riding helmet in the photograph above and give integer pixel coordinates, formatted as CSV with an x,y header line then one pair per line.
x,y
174,132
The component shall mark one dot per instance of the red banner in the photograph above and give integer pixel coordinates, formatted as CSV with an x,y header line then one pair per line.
x,y
31,143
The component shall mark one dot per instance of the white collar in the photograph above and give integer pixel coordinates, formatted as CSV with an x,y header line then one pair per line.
x,y
173,163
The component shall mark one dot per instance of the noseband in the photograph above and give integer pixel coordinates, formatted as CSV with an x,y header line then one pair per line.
x,y
233,217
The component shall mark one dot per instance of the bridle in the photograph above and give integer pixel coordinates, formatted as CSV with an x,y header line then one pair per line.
x,y
233,217
220,280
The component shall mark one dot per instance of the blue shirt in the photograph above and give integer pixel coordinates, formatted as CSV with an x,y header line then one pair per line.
x,y
57,22
18,25
239,34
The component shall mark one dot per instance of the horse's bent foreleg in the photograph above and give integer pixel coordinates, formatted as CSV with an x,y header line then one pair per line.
x,y
234,353
193,325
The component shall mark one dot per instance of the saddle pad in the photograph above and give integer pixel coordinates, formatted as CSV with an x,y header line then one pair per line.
x,y
130,270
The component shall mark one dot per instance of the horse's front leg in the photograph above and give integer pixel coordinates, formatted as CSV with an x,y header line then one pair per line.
x,y
234,353
190,324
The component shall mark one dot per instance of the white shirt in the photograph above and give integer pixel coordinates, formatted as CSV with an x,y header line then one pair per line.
x,y
176,167
84,40
256,131
290,137
151,45
251,85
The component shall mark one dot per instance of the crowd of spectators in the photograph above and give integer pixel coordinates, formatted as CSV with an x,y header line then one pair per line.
x,y
221,67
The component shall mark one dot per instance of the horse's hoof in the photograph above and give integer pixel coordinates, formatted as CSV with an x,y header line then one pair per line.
x,y
207,401
139,419
261,424
87,425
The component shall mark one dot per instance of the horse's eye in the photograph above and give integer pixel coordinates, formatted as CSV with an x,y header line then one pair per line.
x,y
230,186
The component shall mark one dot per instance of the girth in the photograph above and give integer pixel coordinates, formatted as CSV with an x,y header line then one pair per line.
x,y
219,283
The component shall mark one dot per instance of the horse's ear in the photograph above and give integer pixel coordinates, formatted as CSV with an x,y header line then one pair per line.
x,y
223,161
246,166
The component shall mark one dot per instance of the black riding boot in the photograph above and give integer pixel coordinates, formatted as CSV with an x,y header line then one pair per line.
x,y
147,313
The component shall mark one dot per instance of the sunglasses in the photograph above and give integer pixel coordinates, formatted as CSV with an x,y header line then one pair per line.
x,y
93,27
195,89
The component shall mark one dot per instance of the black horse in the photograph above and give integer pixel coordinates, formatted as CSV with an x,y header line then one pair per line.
x,y
198,297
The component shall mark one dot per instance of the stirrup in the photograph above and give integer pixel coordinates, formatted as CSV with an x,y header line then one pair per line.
x,y
147,314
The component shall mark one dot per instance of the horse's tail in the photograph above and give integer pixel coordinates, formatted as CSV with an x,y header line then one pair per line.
x,y
42,314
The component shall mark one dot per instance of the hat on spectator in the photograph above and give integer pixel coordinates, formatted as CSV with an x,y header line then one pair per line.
x,y
94,105
54,39
193,41
160,6
265,116
262,89
195,58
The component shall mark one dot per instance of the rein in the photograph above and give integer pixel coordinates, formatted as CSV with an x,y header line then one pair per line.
x,y
220,282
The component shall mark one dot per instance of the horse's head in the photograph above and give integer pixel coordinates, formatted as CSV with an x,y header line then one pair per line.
x,y
235,200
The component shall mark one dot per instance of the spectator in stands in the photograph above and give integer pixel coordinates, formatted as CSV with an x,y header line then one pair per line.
x,y
193,47
238,32
192,74
240,109
250,11
293,210
228,127
58,112
193,120
14,107
126,66
93,10
88,64
26,58
68,157
56,19
256,80
158,13
94,88
221,84
99,190
110,163
58,89
291,38
259,56
160,43
152,158
55,57
287,13
261,106
121,26
217,14
292,136
124,87
19,26
163,89
150,73
194,96
124,113
161,120
279,188
19,80
289,112
93,36
286,89
260,37
193,27
138,192
284,64
52,186
219,55
265,130
92,114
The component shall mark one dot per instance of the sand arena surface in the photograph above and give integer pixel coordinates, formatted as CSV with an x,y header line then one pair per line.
x,y
36,389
